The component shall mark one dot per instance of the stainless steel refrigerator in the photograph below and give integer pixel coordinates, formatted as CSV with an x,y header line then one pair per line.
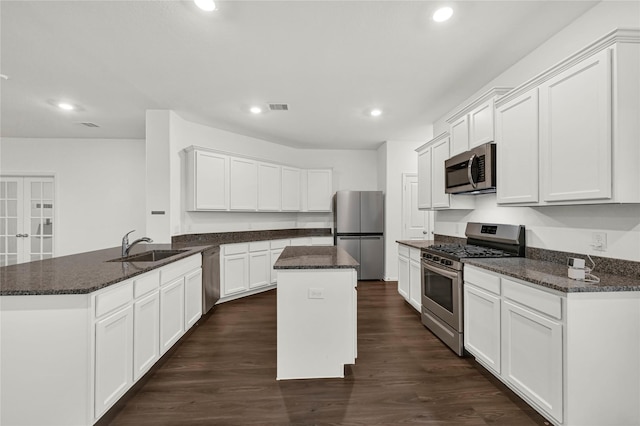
x,y
359,229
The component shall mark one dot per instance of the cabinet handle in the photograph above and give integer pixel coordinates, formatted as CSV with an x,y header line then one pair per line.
x,y
25,235
18,235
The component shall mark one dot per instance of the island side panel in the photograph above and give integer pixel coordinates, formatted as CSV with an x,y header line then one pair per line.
x,y
316,322
44,360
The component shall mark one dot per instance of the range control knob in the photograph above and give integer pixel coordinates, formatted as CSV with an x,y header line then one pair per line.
x,y
447,262
428,256
436,258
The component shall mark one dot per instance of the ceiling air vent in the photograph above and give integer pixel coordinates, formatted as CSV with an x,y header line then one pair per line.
x,y
278,107
89,124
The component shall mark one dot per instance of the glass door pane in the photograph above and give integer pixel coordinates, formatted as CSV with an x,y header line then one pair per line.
x,y
39,196
10,220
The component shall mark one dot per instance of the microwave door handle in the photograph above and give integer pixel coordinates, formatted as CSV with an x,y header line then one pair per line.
x,y
469,174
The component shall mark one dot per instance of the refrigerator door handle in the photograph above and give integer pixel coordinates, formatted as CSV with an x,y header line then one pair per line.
x,y
349,238
375,237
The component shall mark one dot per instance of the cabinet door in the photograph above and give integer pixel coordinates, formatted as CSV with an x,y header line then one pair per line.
x,y
482,326
211,181
517,153
424,179
274,254
236,274
171,313
415,290
532,357
440,153
290,189
481,124
192,298
146,333
243,183
575,138
113,358
259,274
459,136
319,190
403,277
269,187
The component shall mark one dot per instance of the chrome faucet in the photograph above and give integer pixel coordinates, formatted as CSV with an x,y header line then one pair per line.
x,y
126,246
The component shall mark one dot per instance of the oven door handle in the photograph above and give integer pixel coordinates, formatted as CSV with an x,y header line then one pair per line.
x,y
447,273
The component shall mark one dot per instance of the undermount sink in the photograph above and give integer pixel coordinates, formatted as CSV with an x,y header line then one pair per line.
x,y
148,256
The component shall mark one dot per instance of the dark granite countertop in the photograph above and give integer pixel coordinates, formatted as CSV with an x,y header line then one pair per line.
x,y
314,257
81,273
554,275
218,238
419,244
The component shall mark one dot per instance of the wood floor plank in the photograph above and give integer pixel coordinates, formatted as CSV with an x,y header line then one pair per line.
x,y
224,373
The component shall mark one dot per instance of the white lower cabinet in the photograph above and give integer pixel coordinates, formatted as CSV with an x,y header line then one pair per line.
x,y
146,333
415,283
549,347
403,272
482,326
409,276
113,361
247,268
192,298
532,363
171,313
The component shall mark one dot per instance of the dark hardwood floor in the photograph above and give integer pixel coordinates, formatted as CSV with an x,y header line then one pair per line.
x,y
224,374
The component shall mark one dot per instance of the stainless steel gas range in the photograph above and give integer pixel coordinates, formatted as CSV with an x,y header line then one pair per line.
x,y
442,275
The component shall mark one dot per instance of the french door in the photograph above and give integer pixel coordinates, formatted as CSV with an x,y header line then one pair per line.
x,y
26,219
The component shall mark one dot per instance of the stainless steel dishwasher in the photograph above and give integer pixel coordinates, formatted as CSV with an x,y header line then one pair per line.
x,y
210,278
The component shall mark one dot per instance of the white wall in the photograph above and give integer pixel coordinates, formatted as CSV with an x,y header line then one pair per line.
x,y
352,169
396,158
100,187
563,228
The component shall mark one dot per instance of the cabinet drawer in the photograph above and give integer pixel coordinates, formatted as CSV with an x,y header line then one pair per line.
x,y
484,280
235,248
414,254
258,246
278,244
146,283
403,250
181,267
539,300
113,299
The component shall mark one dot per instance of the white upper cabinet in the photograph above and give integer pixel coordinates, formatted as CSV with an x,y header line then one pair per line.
x,y
431,177
583,122
575,138
243,184
269,187
217,181
319,190
424,178
459,130
517,153
291,189
473,125
207,181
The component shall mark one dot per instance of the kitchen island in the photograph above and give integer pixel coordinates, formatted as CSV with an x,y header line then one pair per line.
x,y
317,312
76,332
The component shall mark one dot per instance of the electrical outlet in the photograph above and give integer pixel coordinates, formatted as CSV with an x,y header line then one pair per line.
x,y
599,241
316,293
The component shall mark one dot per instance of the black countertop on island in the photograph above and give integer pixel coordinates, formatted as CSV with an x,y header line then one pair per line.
x,y
314,257
82,273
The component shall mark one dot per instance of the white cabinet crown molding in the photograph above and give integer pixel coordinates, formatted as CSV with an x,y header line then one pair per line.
x,y
433,141
622,35
493,92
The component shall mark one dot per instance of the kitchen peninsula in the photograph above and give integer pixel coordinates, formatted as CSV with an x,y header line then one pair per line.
x,y
317,312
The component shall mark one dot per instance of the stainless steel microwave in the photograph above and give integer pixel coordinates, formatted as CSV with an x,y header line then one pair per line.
x,y
472,172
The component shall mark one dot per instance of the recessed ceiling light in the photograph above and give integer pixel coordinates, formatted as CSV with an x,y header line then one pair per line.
x,y
442,14
255,109
66,106
206,5
376,112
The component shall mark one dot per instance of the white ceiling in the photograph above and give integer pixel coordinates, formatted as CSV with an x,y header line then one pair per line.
x,y
330,61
